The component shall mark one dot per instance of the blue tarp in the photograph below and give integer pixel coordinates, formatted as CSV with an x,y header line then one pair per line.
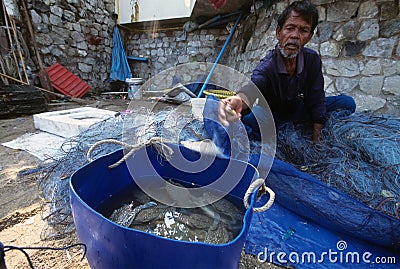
x,y
310,224
281,236
120,69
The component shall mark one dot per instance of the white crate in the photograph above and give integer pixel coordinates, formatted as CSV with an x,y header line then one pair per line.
x,y
70,122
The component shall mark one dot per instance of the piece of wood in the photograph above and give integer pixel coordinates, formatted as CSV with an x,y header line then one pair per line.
x,y
12,78
14,29
44,78
74,99
10,39
17,100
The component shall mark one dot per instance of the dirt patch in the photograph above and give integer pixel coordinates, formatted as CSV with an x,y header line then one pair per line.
x,y
19,216
26,232
21,223
16,192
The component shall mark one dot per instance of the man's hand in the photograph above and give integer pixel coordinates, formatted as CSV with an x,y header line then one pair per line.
x,y
316,135
229,110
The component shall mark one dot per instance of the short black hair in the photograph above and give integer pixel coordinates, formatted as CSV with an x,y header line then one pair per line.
x,y
307,11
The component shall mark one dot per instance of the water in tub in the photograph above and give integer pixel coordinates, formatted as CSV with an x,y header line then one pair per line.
x,y
216,223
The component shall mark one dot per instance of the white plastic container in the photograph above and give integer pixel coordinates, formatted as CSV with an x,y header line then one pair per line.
x,y
198,107
134,88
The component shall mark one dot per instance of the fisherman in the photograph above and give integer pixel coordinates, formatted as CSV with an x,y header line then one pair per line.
x,y
289,78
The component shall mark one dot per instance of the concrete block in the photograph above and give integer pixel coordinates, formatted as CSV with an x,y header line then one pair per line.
x,y
70,122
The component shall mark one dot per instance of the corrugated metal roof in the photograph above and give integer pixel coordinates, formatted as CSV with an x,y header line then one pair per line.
x,y
66,82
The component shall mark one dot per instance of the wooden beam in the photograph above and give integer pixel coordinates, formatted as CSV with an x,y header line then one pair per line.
x,y
43,76
77,100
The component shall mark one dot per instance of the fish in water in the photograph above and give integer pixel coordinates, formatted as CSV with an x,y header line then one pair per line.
x,y
194,220
227,211
150,213
127,213
219,235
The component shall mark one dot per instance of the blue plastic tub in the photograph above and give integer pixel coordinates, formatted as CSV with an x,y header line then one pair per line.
x,y
113,246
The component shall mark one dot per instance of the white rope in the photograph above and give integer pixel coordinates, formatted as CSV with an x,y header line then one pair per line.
x,y
157,142
166,152
257,185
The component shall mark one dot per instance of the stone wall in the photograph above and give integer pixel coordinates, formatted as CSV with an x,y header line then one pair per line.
x,y
166,49
78,35
358,42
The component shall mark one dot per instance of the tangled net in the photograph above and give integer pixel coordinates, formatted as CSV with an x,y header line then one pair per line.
x,y
359,155
53,179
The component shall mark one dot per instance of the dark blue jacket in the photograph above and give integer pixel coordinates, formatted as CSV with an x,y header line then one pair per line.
x,y
285,94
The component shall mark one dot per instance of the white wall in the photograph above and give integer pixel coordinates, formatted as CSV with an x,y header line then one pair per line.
x,y
154,9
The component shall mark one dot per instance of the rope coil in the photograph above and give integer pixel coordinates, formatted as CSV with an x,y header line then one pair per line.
x,y
157,142
259,184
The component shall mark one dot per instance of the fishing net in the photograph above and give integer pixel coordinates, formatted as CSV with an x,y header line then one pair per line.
x,y
53,181
359,155
348,183
141,124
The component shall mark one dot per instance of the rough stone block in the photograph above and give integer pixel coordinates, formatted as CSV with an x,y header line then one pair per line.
x,y
392,85
341,11
389,10
368,30
368,103
330,48
368,10
338,68
390,28
348,31
371,67
381,47
346,85
371,85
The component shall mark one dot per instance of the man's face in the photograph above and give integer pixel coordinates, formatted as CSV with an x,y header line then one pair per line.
x,y
294,34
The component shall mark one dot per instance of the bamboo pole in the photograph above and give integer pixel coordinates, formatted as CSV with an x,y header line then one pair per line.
x,y
12,78
10,39
14,29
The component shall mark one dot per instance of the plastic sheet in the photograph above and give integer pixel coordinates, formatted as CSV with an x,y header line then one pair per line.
x,y
282,237
303,198
120,69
